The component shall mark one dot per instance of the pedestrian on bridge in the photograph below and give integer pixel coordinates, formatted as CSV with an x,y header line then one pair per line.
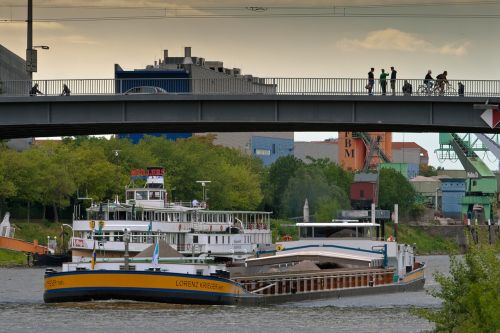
x,y
383,81
371,81
34,90
394,73
66,91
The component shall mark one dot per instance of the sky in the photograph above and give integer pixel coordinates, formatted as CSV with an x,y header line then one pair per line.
x,y
265,46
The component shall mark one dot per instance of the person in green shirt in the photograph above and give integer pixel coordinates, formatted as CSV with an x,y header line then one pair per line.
x,y
383,81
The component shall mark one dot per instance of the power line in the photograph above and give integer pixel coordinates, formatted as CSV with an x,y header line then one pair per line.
x,y
222,12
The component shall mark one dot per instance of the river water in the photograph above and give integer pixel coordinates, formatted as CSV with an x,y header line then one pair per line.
x,y
22,310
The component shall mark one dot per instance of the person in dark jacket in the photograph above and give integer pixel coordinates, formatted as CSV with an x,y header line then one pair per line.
x,y
407,88
394,74
371,81
34,90
461,89
428,81
66,91
441,80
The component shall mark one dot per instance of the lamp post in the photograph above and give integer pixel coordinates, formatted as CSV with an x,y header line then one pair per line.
x,y
31,52
203,184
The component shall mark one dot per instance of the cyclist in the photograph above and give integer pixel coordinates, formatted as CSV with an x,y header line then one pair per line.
x,y
441,79
428,81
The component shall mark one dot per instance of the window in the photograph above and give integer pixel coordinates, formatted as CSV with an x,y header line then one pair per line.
x,y
141,195
130,195
362,194
208,239
154,195
262,152
195,239
216,239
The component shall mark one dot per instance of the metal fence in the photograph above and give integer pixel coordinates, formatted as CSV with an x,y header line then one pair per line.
x,y
252,86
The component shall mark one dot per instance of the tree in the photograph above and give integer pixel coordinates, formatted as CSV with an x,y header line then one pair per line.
x,y
7,186
278,176
394,188
470,294
323,198
427,170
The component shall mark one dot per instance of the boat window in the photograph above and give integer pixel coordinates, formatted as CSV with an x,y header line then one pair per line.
x,y
208,239
154,195
195,239
130,195
141,195
216,239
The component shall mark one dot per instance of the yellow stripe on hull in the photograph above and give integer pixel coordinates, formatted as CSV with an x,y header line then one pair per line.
x,y
154,281
155,286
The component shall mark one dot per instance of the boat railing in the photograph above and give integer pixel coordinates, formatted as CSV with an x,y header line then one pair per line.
x,y
287,284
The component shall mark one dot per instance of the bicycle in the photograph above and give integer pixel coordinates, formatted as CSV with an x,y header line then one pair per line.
x,y
433,88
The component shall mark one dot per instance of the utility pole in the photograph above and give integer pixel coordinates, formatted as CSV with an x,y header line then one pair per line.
x,y
30,52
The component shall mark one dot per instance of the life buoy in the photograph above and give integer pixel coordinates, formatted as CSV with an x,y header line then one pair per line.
x,y
279,247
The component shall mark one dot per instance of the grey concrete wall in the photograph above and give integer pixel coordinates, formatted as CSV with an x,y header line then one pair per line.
x,y
12,67
316,150
229,83
406,155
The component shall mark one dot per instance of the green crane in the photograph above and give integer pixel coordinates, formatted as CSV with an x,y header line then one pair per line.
x,y
481,183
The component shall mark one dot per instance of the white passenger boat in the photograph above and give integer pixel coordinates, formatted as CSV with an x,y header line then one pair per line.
x,y
190,228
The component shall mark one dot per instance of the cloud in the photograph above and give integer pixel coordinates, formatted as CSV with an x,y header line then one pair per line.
x,y
397,40
18,26
77,39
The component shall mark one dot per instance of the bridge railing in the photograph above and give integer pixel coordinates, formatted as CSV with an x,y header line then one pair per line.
x,y
250,86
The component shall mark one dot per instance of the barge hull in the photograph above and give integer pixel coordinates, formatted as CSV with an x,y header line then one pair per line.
x,y
415,285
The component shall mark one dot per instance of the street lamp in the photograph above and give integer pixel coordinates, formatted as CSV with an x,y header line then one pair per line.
x,y
203,184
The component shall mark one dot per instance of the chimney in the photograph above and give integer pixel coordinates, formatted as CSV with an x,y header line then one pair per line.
x,y
165,55
187,52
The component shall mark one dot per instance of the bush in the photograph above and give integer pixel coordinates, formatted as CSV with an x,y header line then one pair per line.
x,y
471,293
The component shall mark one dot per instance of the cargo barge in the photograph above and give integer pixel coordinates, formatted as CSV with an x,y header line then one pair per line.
x,y
334,259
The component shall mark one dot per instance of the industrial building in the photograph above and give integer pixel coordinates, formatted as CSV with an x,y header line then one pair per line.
x,y
350,152
190,74
13,68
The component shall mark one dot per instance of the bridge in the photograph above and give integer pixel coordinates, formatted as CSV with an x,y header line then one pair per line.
x,y
273,104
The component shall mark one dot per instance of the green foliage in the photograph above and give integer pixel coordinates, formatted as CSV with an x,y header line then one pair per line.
x,y
417,210
426,243
12,258
427,170
394,188
282,228
52,173
278,176
39,231
311,184
470,294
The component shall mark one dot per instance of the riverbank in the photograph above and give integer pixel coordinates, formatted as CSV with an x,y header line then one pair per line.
x,y
29,232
